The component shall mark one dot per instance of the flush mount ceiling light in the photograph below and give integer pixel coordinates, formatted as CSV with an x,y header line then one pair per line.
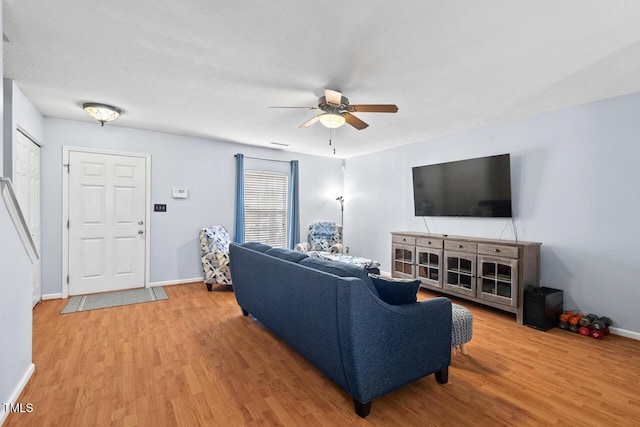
x,y
101,112
332,120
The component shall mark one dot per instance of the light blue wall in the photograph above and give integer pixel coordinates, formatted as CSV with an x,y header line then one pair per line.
x,y
15,312
575,181
15,296
204,167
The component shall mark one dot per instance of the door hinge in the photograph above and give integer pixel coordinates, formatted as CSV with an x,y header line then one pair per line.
x,y
68,166
67,279
67,224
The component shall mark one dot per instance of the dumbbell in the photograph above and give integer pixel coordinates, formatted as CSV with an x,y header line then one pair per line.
x,y
601,324
575,319
584,330
574,328
563,325
597,334
564,317
588,320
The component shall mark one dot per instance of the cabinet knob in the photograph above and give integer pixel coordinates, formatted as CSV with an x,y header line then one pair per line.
x,y
459,246
428,243
496,250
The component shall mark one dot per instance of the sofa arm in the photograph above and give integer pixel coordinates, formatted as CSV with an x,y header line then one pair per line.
x,y
419,335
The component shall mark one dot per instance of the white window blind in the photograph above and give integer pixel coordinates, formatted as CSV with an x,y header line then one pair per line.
x,y
265,208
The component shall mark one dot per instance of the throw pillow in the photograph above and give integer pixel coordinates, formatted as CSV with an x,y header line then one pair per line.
x,y
396,291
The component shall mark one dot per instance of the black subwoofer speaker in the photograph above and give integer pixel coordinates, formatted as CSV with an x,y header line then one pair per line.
x,y
542,307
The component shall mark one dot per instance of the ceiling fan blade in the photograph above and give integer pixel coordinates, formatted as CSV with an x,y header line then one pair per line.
x,y
306,108
373,108
354,121
333,97
310,122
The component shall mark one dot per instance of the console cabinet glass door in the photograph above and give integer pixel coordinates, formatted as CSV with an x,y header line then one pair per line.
x,y
403,261
460,273
429,265
498,280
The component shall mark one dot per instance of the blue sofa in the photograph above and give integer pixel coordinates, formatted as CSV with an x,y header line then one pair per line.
x,y
331,313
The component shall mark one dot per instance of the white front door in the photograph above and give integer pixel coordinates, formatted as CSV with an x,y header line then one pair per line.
x,y
26,179
107,215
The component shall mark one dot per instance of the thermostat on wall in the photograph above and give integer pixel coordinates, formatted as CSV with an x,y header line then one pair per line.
x,y
179,193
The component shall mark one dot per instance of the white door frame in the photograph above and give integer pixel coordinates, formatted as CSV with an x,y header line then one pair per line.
x,y
65,211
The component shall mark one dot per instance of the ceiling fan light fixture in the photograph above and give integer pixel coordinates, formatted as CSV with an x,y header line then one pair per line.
x,y
101,112
332,121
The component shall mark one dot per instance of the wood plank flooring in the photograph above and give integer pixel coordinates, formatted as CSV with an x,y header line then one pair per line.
x,y
194,360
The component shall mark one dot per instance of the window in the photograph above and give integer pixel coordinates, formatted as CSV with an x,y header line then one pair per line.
x,y
265,208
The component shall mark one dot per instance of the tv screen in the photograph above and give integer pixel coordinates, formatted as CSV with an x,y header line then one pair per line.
x,y
475,188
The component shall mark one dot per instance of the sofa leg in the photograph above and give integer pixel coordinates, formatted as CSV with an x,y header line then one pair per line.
x,y
209,286
244,312
362,409
443,376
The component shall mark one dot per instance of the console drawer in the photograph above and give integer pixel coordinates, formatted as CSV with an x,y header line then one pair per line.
x,y
461,246
498,250
405,240
427,242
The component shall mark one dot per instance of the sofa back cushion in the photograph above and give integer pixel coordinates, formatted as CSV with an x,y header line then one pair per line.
x,y
287,254
340,269
256,246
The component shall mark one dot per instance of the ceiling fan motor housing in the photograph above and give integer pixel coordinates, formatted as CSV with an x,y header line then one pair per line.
x,y
333,108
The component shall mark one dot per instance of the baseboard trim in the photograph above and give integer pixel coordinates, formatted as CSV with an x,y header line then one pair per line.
x,y
625,333
16,393
177,282
152,284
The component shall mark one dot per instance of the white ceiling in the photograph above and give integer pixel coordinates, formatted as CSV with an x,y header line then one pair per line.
x,y
212,68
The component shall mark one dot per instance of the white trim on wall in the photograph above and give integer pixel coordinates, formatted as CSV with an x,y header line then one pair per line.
x,y
625,333
65,211
16,393
177,282
152,284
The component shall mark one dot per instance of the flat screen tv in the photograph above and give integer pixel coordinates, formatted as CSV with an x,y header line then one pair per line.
x,y
473,188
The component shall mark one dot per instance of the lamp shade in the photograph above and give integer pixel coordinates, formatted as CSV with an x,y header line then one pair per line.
x,y
101,112
331,120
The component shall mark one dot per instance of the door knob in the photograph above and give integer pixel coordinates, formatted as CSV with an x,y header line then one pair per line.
x,y
140,222
140,231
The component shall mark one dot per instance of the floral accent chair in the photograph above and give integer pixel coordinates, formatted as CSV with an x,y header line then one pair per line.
x,y
214,245
324,236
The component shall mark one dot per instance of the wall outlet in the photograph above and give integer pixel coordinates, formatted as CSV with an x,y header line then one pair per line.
x,y
159,208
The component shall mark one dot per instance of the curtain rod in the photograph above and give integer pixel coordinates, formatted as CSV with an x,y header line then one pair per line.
x,y
267,160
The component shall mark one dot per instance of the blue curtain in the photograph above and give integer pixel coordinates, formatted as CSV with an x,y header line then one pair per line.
x,y
294,206
239,230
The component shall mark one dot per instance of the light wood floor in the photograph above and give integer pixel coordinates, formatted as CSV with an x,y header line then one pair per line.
x,y
195,360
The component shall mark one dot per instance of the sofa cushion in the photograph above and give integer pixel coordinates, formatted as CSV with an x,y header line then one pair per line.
x,y
396,291
340,269
256,246
287,254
